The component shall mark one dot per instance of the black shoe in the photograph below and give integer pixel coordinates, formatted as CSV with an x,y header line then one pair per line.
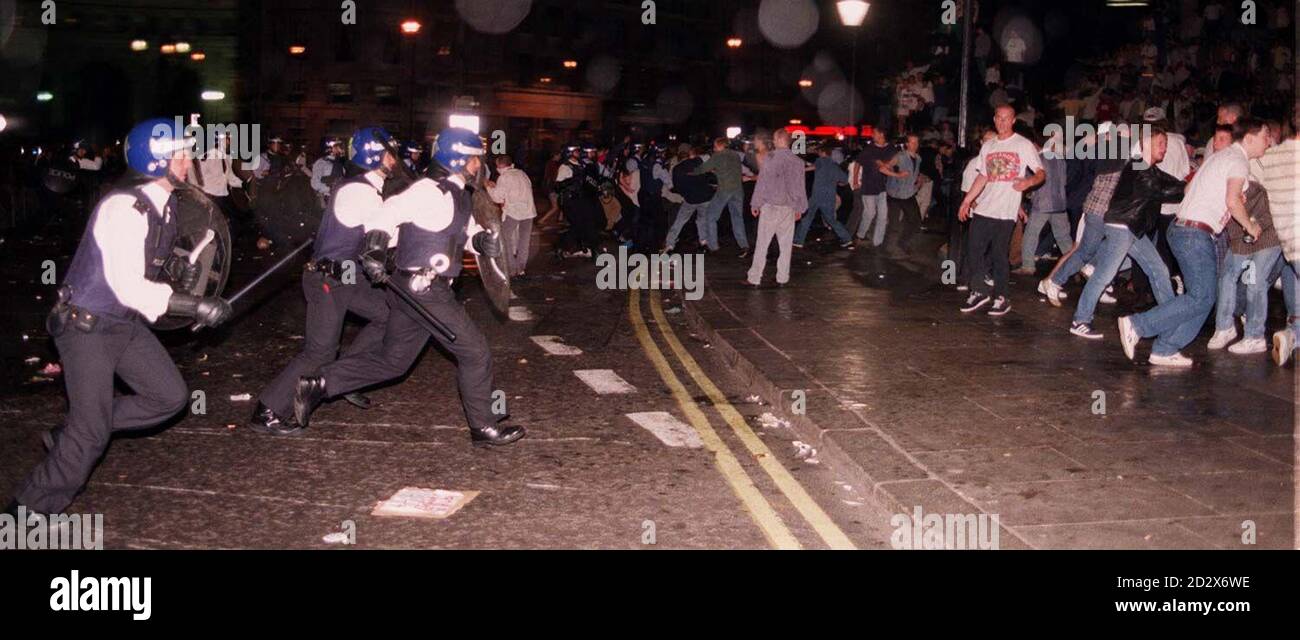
x,y
495,436
1000,307
358,400
974,302
266,421
308,395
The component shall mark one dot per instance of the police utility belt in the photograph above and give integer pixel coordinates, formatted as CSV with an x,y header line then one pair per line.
x,y
329,268
419,280
65,314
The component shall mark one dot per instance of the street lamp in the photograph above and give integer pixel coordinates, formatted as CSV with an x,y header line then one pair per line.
x,y
167,49
213,96
198,56
297,49
44,96
139,45
570,64
464,121
732,132
852,14
805,83
182,47
734,42
410,27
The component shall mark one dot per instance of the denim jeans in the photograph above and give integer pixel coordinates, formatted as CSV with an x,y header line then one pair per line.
x,y
826,207
1117,243
874,208
1094,228
733,201
1290,281
1060,230
1176,324
1257,267
684,213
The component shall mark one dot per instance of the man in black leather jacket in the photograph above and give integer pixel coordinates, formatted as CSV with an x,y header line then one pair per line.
x,y
1130,225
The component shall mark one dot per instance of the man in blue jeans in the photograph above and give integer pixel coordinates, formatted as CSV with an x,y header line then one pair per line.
x,y
1130,226
826,175
872,160
1250,263
1213,198
725,165
1094,229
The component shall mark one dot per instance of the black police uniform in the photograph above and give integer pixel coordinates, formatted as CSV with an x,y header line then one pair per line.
x,y
581,206
330,299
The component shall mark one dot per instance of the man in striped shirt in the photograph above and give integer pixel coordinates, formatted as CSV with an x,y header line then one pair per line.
x,y
1281,178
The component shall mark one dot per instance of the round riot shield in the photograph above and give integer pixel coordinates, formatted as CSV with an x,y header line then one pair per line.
x,y
493,272
200,224
60,181
287,210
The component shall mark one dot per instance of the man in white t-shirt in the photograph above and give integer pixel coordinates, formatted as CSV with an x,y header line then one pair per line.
x,y
1215,196
1002,181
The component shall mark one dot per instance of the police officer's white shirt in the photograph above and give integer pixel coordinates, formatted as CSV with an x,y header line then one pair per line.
x,y
120,233
1207,196
218,173
360,203
564,172
514,192
424,205
321,169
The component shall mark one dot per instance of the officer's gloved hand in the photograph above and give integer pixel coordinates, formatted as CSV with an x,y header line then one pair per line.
x,y
207,312
189,277
486,244
373,257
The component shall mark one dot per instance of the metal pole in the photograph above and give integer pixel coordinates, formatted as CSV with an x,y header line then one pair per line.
x,y
963,114
853,83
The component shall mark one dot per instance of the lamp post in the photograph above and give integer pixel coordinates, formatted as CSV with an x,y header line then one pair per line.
x,y
410,28
852,14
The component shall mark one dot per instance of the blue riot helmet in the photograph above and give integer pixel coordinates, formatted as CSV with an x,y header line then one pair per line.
x,y
368,146
151,145
455,146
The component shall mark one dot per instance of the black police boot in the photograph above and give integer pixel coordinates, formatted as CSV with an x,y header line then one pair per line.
x,y
495,436
358,400
266,421
308,396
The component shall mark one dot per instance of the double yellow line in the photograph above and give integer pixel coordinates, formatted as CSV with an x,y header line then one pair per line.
x,y
767,519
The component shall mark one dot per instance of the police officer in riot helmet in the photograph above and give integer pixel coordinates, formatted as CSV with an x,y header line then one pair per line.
x,y
332,286
328,169
433,225
112,291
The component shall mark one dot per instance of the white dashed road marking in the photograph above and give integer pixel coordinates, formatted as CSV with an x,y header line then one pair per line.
x,y
604,381
553,346
669,430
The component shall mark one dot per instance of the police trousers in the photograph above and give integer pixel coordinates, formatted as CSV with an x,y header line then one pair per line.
x,y
124,348
329,301
405,338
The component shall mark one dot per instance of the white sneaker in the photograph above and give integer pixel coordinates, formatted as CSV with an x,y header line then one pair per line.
x,y
1175,360
1106,297
1052,291
1248,346
1222,338
1086,271
1128,336
1283,346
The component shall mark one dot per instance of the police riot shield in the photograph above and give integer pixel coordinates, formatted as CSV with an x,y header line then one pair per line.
x,y
202,242
494,272
288,211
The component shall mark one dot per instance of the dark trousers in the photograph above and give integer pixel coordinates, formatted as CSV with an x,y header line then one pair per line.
x,y
904,221
584,214
128,350
406,337
958,233
328,303
990,240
